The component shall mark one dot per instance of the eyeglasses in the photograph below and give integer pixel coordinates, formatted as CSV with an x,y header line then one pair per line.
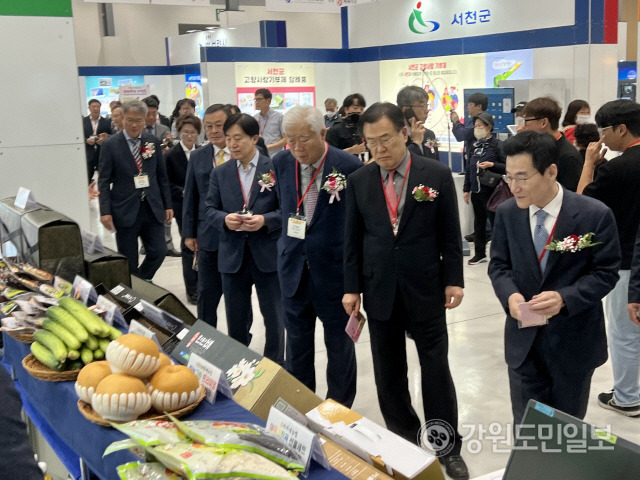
x,y
383,142
257,99
601,130
532,119
131,121
520,181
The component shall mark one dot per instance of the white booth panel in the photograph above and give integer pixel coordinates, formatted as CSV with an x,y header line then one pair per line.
x,y
56,174
42,80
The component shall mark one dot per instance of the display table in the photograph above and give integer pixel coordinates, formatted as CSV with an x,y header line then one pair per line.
x,y
54,404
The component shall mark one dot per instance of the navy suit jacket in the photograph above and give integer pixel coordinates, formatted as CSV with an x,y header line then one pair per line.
x,y
104,126
194,220
575,336
421,260
323,245
118,195
225,197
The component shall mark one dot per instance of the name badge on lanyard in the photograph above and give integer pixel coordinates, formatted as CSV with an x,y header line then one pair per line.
x,y
141,180
297,226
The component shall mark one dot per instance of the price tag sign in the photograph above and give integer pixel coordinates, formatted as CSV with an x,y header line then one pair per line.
x,y
298,438
139,329
85,290
209,375
113,315
25,199
161,318
91,243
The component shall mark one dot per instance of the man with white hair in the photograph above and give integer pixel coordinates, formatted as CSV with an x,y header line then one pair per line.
x,y
309,178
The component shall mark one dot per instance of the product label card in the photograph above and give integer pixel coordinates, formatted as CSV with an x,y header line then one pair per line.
x,y
139,329
210,376
25,199
84,290
113,313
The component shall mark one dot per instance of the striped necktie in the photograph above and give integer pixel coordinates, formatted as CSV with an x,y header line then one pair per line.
x,y
311,198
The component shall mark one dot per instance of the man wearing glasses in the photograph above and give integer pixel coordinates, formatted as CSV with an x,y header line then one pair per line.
x,y
543,115
270,122
554,256
616,185
135,200
414,102
403,249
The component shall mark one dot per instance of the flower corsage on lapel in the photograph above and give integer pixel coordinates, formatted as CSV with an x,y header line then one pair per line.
x,y
431,144
336,182
572,243
424,194
267,180
148,150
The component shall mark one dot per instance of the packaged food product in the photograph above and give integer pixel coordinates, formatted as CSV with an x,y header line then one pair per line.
x,y
146,471
242,436
196,461
153,432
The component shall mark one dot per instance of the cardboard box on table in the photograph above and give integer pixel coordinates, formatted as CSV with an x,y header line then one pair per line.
x,y
140,289
385,450
257,393
108,268
44,238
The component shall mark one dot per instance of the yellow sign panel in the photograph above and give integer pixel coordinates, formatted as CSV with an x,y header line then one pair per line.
x,y
444,79
266,75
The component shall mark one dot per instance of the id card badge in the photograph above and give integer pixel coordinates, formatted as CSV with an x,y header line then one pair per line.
x,y
297,226
141,181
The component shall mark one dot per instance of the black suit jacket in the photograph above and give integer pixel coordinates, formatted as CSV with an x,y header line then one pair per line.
x,y
176,162
104,126
424,150
422,259
575,337
569,162
118,195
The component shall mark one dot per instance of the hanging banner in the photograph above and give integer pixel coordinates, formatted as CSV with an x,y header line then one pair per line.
x,y
291,84
194,92
107,89
443,78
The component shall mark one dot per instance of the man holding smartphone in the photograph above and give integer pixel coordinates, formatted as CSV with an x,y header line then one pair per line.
x,y
414,102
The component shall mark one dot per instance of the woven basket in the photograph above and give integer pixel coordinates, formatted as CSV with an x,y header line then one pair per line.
x,y
40,371
90,414
22,337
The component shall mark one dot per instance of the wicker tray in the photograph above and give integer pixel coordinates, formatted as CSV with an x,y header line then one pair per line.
x,y
22,337
40,371
90,414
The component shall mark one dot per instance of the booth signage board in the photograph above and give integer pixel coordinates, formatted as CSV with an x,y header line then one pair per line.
x,y
444,79
107,89
511,65
290,83
391,22
193,85
500,104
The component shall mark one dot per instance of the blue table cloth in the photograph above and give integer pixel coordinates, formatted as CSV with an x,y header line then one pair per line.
x,y
56,404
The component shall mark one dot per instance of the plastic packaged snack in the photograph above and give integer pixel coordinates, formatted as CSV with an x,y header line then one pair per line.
x,y
153,432
146,471
196,461
242,436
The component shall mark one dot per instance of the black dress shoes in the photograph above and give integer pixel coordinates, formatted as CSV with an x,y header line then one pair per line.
x,y
455,467
173,253
193,299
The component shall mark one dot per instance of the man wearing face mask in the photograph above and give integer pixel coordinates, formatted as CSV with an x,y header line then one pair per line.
x,y
486,167
331,117
345,134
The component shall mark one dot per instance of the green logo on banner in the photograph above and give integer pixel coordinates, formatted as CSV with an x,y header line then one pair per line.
x,y
423,26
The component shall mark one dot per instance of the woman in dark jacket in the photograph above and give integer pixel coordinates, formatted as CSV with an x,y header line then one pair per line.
x,y
177,158
486,167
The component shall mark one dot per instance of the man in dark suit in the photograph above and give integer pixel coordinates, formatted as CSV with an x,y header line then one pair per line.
x,y
403,250
96,130
198,232
414,102
538,268
543,115
249,222
310,265
135,200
